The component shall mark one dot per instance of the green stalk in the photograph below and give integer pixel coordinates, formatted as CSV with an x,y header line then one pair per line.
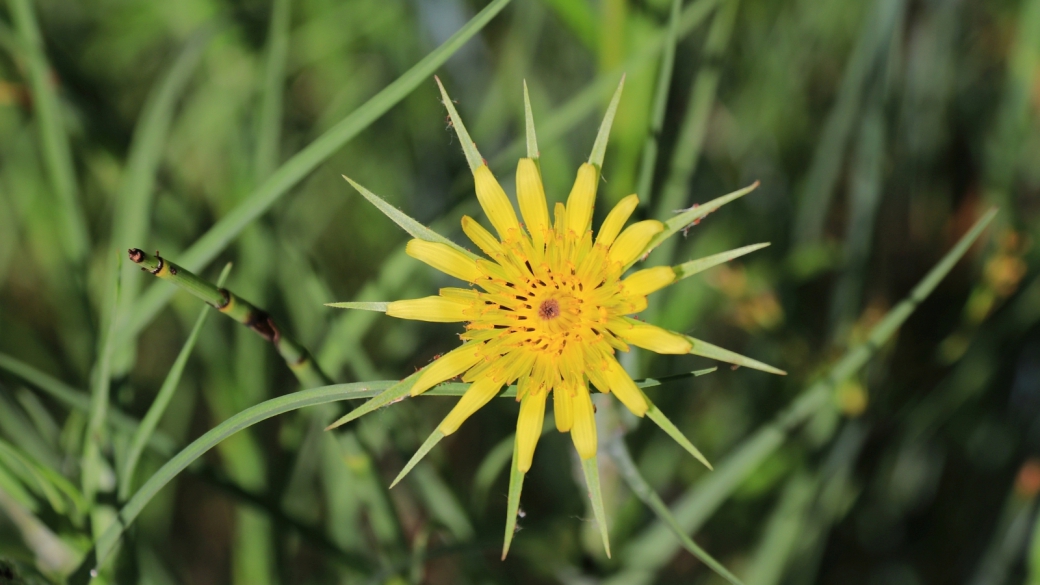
x,y
295,355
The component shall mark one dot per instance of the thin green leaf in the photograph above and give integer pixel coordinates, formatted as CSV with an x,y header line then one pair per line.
x,y
652,549
487,472
516,484
270,124
688,269
667,426
416,229
664,82
591,470
628,470
430,442
688,216
155,412
361,305
599,147
300,165
705,349
473,157
532,139
100,387
392,394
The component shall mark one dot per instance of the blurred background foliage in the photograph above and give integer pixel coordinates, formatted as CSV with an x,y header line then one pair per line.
x,y
880,131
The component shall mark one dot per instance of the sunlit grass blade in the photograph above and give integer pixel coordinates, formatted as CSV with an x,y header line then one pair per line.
x,y
529,134
414,228
667,426
54,138
664,81
300,165
379,307
688,269
473,157
705,349
652,549
679,221
599,147
591,470
430,442
628,470
516,484
392,394
155,412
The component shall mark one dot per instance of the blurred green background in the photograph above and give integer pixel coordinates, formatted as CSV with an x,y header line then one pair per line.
x,y
880,131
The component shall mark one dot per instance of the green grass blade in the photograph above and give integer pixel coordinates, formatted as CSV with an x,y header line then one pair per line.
x,y
300,165
673,431
532,138
413,227
57,151
599,147
591,470
628,470
652,549
705,349
155,412
487,472
664,81
387,396
269,128
100,386
469,148
107,542
688,269
430,442
688,216
379,307
516,484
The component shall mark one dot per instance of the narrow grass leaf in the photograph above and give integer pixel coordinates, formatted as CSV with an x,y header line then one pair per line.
x,y
516,484
361,305
414,228
392,394
532,139
688,269
155,412
300,165
664,82
688,216
705,349
473,157
628,470
270,115
430,442
599,147
487,472
591,470
667,426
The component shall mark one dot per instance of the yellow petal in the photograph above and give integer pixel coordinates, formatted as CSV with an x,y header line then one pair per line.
x,y
631,243
563,409
581,199
433,309
529,428
446,367
647,281
444,258
481,237
583,433
480,393
531,196
649,336
616,219
494,201
623,387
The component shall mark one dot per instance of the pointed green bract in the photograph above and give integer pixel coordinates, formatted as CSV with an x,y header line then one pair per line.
x,y
379,307
688,269
688,216
591,469
532,140
430,442
599,148
468,147
391,394
667,426
705,349
413,227
516,483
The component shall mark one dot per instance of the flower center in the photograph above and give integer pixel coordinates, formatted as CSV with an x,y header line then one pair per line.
x,y
549,309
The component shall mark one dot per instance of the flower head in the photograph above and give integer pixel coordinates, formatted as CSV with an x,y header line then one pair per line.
x,y
548,305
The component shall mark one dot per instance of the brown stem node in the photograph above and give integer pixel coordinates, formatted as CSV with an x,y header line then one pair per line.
x,y
136,255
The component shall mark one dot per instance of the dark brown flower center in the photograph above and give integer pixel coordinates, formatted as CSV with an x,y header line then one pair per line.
x,y
549,309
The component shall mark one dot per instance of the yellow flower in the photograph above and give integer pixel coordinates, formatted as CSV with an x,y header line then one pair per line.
x,y
547,306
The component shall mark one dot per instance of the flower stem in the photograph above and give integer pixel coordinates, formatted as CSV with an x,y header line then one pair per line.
x,y
295,355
